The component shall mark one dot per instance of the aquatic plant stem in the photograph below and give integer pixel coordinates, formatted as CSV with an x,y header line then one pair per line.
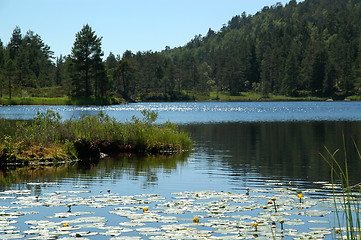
x,y
274,204
349,217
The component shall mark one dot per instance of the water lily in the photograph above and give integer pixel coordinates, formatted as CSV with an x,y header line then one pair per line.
x,y
274,203
69,208
300,196
281,222
255,225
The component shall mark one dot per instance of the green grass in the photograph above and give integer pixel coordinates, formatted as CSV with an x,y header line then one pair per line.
x,y
347,199
253,96
221,96
59,101
48,138
354,98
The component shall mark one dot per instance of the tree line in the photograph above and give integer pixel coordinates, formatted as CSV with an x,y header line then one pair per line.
x,y
311,48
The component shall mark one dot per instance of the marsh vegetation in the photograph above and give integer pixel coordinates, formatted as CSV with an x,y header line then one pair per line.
x,y
47,138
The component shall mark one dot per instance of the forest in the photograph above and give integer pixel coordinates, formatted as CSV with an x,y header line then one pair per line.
x,y
308,48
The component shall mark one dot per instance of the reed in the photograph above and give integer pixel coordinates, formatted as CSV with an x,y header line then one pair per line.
x,y
347,199
47,137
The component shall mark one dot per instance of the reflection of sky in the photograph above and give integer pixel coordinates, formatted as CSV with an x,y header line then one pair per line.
x,y
201,112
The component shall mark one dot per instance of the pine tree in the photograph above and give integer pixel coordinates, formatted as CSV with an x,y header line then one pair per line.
x,y
2,61
86,55
15,43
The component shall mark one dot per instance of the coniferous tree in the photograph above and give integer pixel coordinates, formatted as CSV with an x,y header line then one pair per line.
x,y
126,75
111,64
59,73
10,73
86,56
35,61
2,61
15,43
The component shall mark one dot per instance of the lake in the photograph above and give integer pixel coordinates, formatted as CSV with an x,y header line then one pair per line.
x,y
269,147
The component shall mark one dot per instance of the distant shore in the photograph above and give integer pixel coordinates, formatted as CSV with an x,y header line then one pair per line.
x,y
242,97
60,101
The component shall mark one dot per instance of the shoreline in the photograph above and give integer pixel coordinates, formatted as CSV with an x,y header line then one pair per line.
x,y
32,101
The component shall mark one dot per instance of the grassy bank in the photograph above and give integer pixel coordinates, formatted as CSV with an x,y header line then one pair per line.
x,y
49,139
221,96
253,96
60,101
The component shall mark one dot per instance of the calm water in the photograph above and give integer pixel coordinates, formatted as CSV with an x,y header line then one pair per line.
x,y
236,145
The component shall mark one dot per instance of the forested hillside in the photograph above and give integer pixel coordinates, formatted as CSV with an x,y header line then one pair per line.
x,y
311,48
308,48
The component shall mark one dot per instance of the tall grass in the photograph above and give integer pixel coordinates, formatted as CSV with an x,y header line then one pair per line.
x,y
347,200
47,134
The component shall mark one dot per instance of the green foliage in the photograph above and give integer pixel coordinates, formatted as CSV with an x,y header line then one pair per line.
x,y
48,137
346,199
88,76
60,101
306,46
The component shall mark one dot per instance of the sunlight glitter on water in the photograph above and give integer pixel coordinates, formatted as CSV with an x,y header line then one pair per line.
x,y
188,112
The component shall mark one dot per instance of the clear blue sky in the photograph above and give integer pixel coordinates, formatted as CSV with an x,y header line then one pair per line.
x,y
136,25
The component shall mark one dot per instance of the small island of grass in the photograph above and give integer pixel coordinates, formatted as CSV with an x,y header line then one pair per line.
x,y
48,139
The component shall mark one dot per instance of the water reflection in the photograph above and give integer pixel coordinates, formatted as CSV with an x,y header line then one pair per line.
x,y
122,168
226,156
289,150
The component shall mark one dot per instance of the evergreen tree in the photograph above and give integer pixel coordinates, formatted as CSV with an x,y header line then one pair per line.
x,y
111,64
2,61
10,73
59,73
15,43
35,62
126,75
86,56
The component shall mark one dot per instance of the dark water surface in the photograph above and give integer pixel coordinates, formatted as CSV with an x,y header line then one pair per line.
x,y
236,145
